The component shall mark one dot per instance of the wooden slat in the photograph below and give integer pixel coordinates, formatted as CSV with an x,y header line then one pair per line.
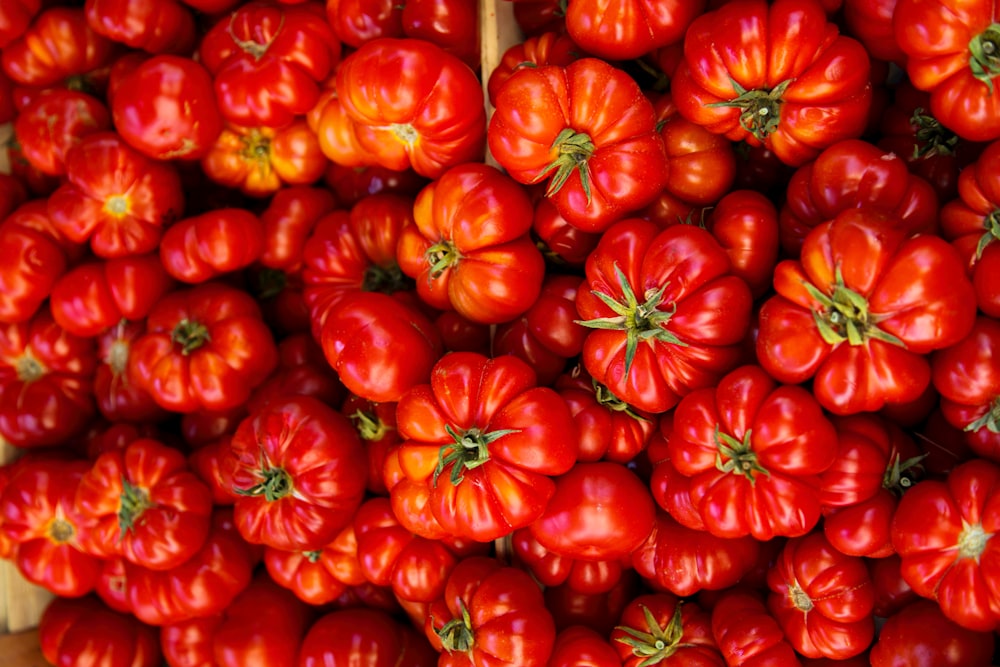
x,y
21,650
498,31
6,132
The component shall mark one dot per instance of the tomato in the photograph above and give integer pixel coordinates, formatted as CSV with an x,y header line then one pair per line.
x,y
582,520
904,641
119,399
189,643
204,426
37,258
144,504
288,220
469,249
51,124
111,585
854,174
559,241
777,75
203,585
15,17
321,575
376,424
460,334
950,559
490,614
949,52
351,184
580,646
414,105
116,198
165,108
358,21
554,569
46,381
684,561
208,462
588,132
549,48
478,445
204,347
546,335
668,314
822,599
860,310
267,61
198,249
169,28
83,631
337,133
56,46
892,593
624,29
299,470
747,633
364,636
40,516
970,386
660,629
302,370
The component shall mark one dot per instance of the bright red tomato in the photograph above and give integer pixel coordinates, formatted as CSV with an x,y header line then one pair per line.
x,y
169,27
318,576
904,640
660,629
15,17
625,29
51,124
368,637
198,249
83,631
747,633
549,568
580,646
550,48
37,257
289,219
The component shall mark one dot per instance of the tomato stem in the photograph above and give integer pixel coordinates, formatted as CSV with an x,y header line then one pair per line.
x,y
369,426
932,138
60,531
740,457
312,556
385,279
253,47
800,598
190,335
469,450
133,501
405,133
640,321
655,644
275,485
270,283
900,475
607,398
984,55
457,634
845,316
28,368
992,225
116,205
972,540
760,109
573,150
441,256
990,419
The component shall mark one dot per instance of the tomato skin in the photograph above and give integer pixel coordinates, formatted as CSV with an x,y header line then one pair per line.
x,y
165,510
621,161
266,61
358,21
169,29
498,611
205,347
298,469
559,241
119,399
469,248
548,48
896,278
46,380
302,369
116,198
553,569
51,124
822,599
15,17
624,29
948,560
165,108
788,43
580,646
288,220
37,258
198,249
319,576
746,225
58,44
376,424
94,296
687,627
496,404
747,633
414,104
351,185
83,631
39,514
902,643
189,643
208,463
705,308
364,636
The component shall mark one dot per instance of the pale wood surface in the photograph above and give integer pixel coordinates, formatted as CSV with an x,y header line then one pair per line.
x,y
21,650
6,131
498,31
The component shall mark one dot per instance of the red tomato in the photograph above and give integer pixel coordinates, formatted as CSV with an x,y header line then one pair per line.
x,y
358,21
580,646
165,108
299,470
559,241
549,568
58,45
15,17
776,75
119,399
822,599
667,314
550,48
206,246
51,124
451,24
208,462
861,309
288,220
588,127
904,640
414,105
302,370
317,576
169,27
351,185
747,633
376,424
364,636
36,258
83,631
745,223
625,29
659,629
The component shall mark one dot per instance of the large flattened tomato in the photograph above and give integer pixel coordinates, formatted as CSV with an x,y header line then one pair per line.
x,y
778,75
668,315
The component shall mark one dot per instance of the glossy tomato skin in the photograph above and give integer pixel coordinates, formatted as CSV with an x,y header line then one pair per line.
x,y
364,636
358,21
580,646
660,625
198,249
37,258
301,370
414,105
500,480
49,125
592,577
165,108
116,198
700,313
588,132
549,48
559,241
748,634
15,17
169,29
266,61
873,355
903,640
288,220
75,631
629,28
205,347
298,469
318,576
46,380
785,58
469,248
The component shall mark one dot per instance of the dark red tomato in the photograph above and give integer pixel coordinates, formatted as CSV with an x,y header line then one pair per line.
x,y
165,108
51,124
15,17
376,424
198,249
580,646
745,223
535,17
919,635
451,24
352,184
288,221
302,370
559,241
13,193
166,27
747,633
460,334
119,399
598,611
358,21
619,30
189,643
208,462
892,593
368,637
83,631
36,259
553,569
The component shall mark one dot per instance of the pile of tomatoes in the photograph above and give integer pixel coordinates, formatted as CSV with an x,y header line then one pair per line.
x,y
670,340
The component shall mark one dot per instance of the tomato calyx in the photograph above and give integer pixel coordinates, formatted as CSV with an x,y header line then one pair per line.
x,y
845,316
900,475
253,47
606,398
405,132
442,256
740,459
270,283
385,279
574,150
190,335
28,368
984,55
656,644
972,540
990,420
134,500
932,138
457,634
760,109
992,225
116,205
312,556
470,449
640,321
800,598
60,531
369,426
275,484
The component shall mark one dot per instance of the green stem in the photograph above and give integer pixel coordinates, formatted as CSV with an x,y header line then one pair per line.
x,y
369,426
844,316
984,55
469,450
990,420
385,279
442,256
932,138
655,644
132,503
275,484
573,154
760,110
190,335
737,457
992,225
28,368
457,634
